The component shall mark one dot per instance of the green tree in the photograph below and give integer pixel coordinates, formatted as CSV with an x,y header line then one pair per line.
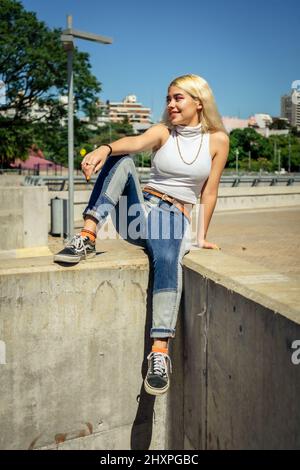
x,y
249,143
295,131
111,132
289,147
264,152
33,67
143,159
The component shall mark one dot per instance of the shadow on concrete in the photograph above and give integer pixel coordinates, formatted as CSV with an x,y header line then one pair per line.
x,y
68,264
141,432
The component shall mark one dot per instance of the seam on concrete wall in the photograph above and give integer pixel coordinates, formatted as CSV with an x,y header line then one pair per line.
x,y
204,312
206,329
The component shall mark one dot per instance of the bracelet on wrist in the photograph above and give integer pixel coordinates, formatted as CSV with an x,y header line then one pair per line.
x,y
107,145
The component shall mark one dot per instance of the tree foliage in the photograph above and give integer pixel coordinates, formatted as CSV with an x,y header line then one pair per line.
x,y
33,68
257,152
53,139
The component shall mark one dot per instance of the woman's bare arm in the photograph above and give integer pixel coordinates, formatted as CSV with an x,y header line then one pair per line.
x,y
209,193
94,160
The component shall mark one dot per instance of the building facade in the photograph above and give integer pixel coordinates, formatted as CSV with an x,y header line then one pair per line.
x,y
260,122
290,108
129,108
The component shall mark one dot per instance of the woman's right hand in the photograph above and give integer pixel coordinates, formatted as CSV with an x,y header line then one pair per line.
x,y
208,245
94,161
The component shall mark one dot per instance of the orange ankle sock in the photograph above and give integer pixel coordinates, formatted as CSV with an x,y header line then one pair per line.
x,y
88,233
162,350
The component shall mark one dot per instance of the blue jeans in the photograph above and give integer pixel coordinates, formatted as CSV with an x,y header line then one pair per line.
x,y
147,221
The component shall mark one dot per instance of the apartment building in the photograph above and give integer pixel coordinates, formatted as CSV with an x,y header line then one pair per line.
x,y
290,108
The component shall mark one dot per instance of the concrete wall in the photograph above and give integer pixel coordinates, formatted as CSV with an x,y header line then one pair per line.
x,y
23,217
240,385
75,357
7,179
77,338
239,198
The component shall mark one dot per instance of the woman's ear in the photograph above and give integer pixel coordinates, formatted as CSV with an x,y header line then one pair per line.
x,y
199,104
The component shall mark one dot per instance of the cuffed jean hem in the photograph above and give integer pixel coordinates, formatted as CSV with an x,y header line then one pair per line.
x,y
162,333
94,214
101,211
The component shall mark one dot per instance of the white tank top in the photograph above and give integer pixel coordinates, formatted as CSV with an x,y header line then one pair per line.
x,y
171,175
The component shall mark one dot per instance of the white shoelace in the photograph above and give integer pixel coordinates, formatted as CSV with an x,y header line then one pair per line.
x,y
78,243
160,365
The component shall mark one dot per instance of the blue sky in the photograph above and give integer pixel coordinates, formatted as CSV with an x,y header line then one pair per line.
x,y
248,51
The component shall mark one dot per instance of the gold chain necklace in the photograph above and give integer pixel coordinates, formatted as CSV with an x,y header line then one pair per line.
x,y
188,163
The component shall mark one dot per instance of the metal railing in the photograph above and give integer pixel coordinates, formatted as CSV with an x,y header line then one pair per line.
x,y
60,183
260,180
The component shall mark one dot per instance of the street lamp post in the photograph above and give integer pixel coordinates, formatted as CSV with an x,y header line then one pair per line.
x,y
289,162
275,150
237,160
67,39
108,118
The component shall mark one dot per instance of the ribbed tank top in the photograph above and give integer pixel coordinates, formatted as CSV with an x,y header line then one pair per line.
x,y
170,175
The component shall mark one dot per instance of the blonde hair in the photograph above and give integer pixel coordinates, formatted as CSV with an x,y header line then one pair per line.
x,y
199,89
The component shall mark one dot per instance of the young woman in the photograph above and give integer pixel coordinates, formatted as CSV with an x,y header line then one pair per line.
x,y
190,148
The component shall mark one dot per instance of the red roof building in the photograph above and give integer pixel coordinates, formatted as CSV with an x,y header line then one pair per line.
x,y
35,161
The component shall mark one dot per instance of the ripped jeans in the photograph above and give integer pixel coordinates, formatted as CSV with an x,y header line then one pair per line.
x,y
147,221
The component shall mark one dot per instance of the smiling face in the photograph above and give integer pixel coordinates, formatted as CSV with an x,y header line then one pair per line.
x,y
183,109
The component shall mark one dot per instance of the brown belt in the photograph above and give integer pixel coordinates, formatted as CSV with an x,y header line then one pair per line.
x,y
170,199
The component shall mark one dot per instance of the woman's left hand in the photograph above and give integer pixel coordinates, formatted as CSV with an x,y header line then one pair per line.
x,y
208,245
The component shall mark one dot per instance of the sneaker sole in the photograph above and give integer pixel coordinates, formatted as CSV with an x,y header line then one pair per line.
x,y
73,259
155,391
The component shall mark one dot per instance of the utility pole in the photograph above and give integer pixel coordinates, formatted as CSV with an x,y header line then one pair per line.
x,y
67,39
279,160
249,162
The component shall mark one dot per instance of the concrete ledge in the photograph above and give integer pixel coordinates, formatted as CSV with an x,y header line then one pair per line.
x,y
273,290
25,252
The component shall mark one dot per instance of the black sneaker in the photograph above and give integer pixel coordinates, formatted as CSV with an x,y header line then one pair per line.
x,y
77,249
157,379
